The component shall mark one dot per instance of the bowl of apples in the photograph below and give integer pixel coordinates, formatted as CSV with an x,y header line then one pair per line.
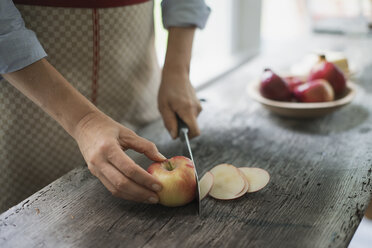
x,y
324,90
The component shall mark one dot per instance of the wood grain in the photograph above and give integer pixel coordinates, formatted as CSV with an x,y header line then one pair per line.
x,y
320,176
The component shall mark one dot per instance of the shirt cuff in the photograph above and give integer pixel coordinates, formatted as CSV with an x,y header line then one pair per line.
x,y
185,13
19,49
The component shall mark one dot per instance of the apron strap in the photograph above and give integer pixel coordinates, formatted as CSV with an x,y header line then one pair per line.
x,y
80,3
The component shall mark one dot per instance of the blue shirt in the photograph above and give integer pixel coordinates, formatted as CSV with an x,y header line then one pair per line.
x,y
19,46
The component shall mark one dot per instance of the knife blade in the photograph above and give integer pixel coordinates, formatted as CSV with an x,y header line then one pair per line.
x,y
183,133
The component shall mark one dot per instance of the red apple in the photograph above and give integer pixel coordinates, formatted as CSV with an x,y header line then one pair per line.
x,y
293,82
178,179
314,91
328,71
274,87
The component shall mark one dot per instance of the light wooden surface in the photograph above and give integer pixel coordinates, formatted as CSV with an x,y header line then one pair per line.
x,y
320,175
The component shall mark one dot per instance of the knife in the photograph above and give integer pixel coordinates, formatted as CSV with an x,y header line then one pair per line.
x,y
183,132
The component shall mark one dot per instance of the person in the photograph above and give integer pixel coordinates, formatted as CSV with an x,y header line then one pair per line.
x,y
98,50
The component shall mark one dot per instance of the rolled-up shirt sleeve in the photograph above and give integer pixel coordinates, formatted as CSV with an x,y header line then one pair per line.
x,y
19,46
184,13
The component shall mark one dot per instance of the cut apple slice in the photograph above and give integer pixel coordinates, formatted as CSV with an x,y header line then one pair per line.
x,y
205,184
228,183
257,178
246,186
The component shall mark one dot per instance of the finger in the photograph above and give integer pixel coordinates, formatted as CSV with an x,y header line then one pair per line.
x,y
170,121
123,187
131,170
115,192
144,146
190,119
199,109
106,183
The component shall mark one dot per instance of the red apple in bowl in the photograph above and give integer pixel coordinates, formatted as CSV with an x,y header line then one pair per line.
x,y
328,71
314,91
178,179
274,87
293,82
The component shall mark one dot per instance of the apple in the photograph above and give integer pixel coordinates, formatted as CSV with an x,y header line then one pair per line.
x,y
246,185
274,87
328,71
314,91
229,182
293,82
178,179
206,183
257,178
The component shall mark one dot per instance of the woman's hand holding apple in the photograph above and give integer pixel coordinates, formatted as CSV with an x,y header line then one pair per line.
x,y
102,142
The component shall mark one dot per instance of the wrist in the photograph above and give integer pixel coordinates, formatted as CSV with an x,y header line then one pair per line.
x,y
85,122
182,68
179,49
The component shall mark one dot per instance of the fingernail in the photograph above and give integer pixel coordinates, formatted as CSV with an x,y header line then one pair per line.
x,y
156,187
152,200
161,156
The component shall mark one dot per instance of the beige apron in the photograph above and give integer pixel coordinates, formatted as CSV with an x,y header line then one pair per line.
x,y
108,55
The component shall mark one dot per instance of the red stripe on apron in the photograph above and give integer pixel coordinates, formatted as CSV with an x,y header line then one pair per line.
x,y
80,3
95,17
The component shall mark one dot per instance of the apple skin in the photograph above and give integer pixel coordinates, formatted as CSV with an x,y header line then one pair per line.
x,y
328,71
293,82
178,179
314,91
274,87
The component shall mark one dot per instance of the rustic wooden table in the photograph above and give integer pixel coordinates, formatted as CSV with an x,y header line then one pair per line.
x,y
320,185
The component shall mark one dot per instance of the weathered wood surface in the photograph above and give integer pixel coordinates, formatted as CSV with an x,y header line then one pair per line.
x,y
320,185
